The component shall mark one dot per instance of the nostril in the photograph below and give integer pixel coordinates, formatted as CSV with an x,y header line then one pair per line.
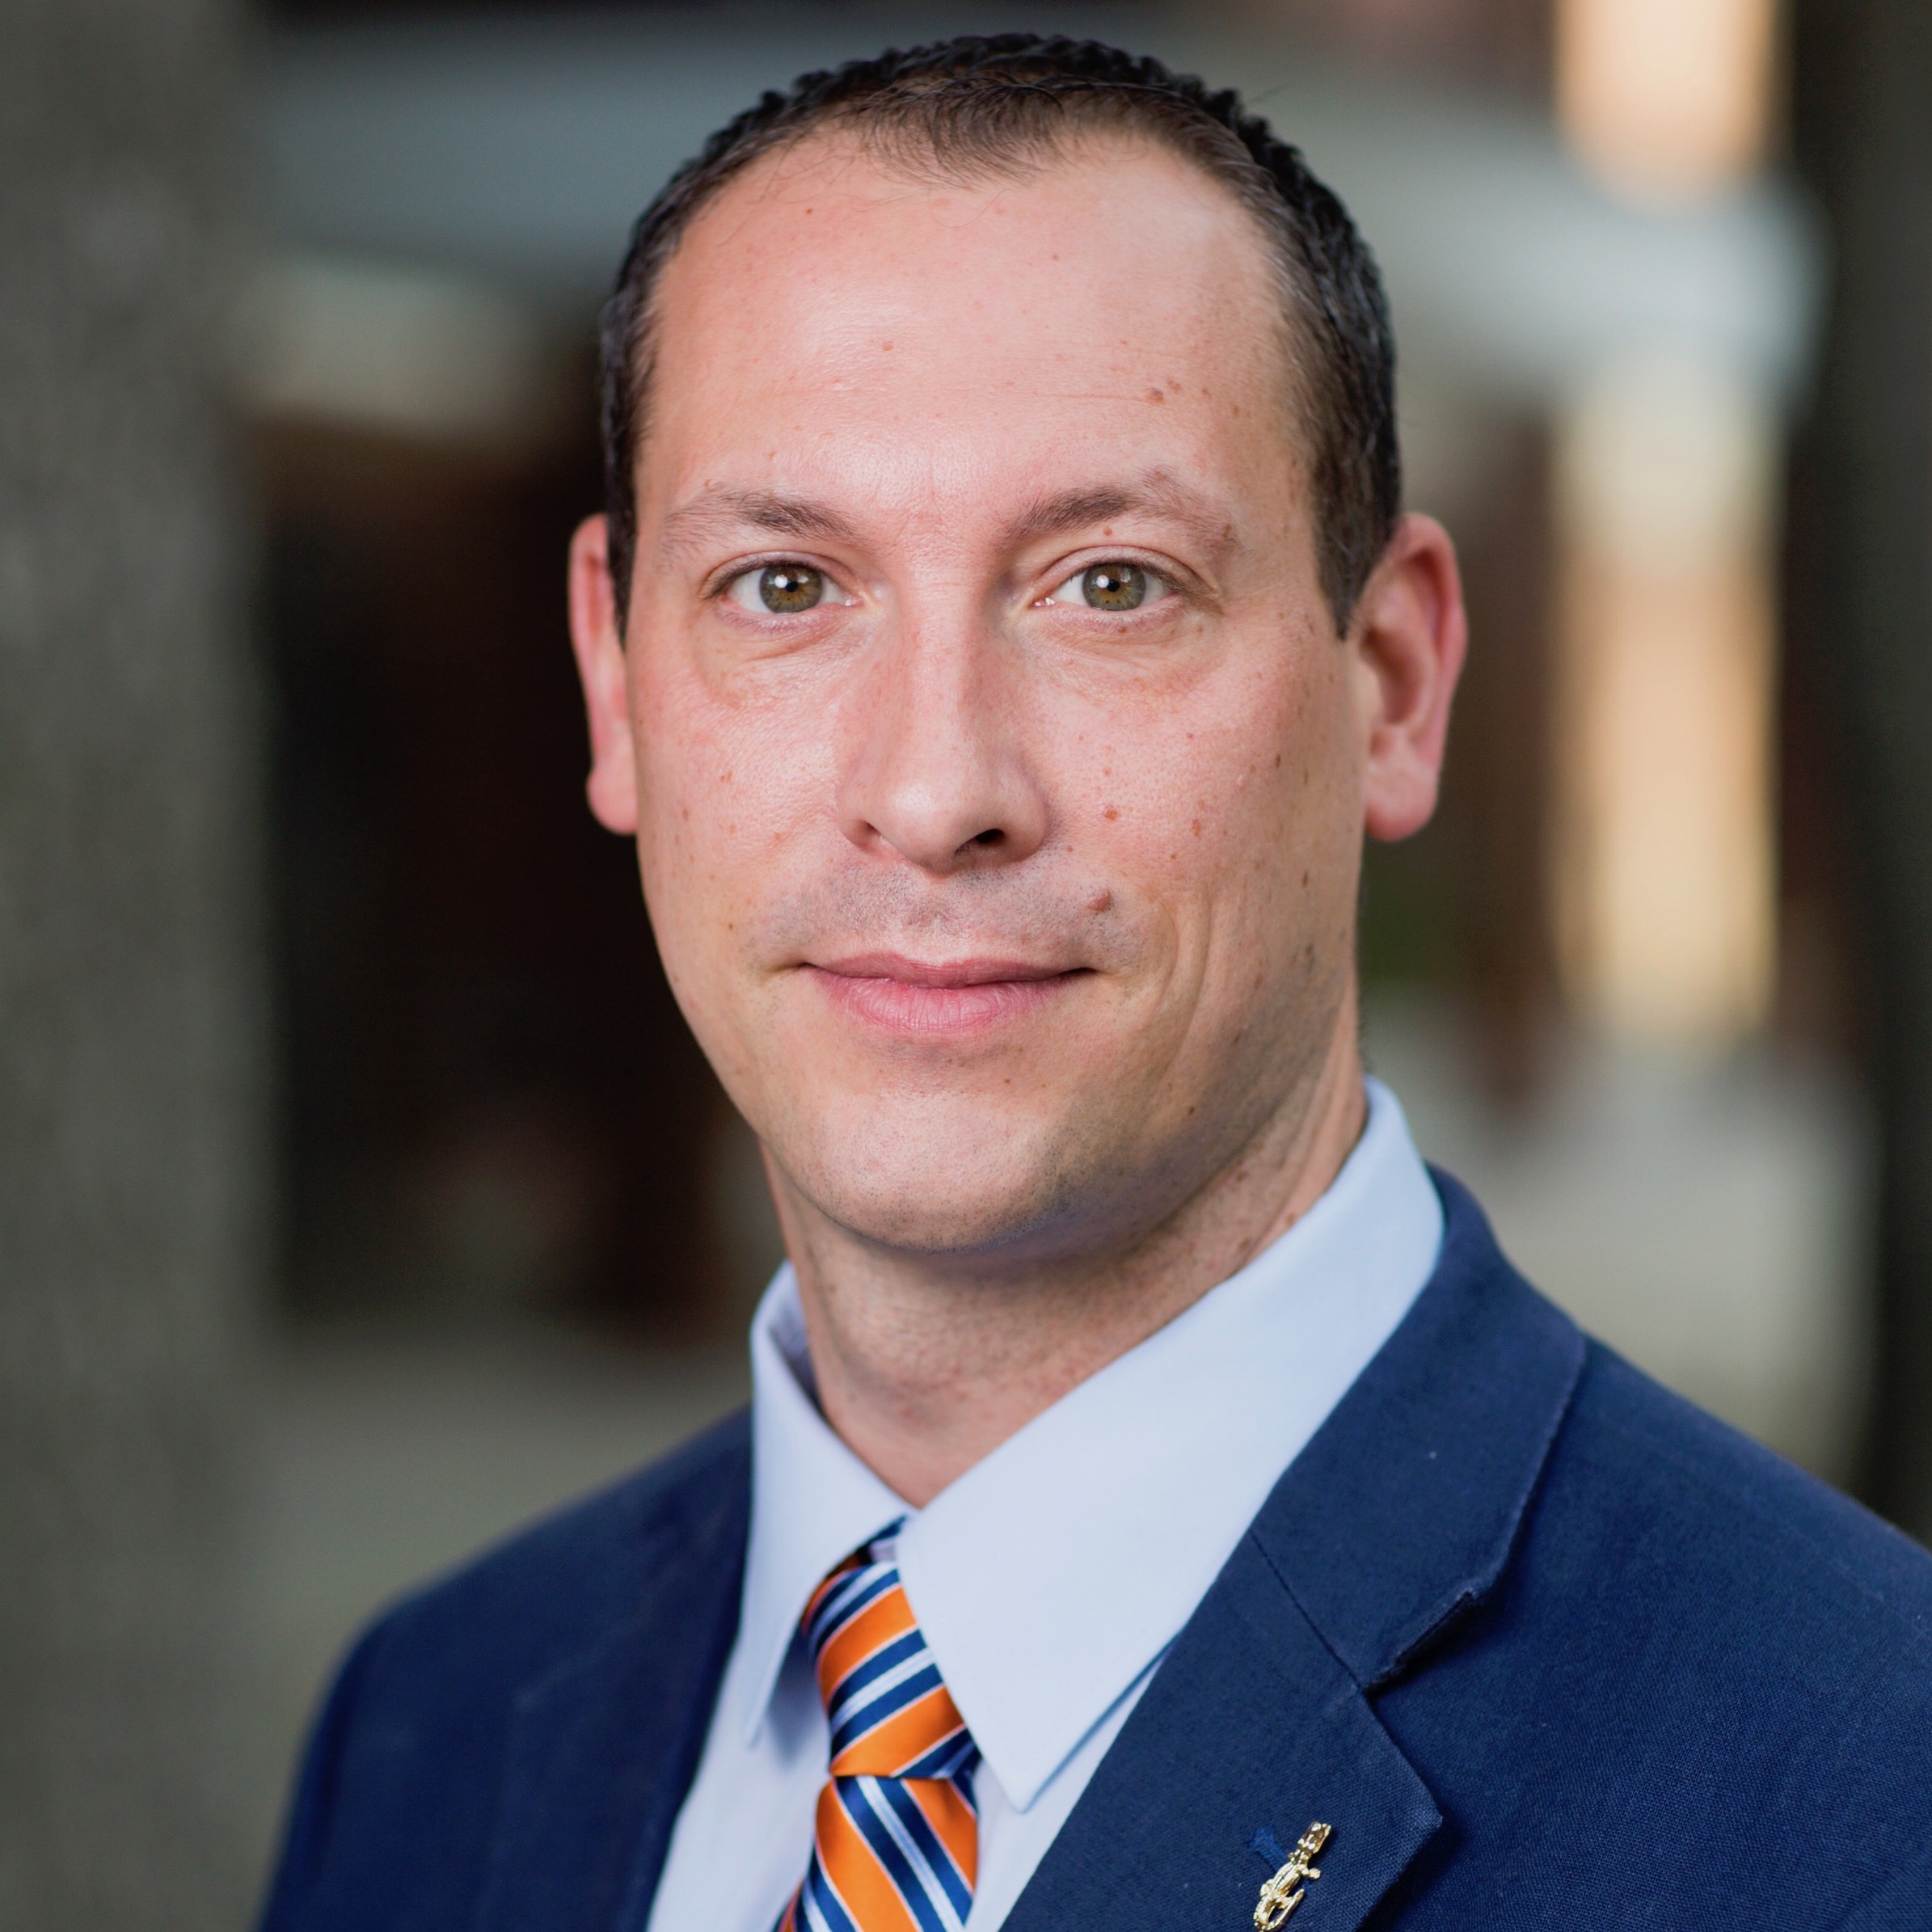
x,y
991,837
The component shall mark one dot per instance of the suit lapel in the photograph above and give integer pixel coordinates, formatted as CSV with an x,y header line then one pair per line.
x,y
1251,1730
604,1746
1398,1516
1401,1513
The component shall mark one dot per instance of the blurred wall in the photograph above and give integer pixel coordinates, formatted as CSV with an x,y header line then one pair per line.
x,y
130,1143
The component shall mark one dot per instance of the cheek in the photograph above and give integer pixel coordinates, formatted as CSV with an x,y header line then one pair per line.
x,y
1233,814
725,784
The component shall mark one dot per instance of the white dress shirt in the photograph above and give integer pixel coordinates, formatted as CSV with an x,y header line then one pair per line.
x,y
1051,1577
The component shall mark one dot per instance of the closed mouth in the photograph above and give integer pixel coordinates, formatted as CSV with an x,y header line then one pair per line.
x,y
908,996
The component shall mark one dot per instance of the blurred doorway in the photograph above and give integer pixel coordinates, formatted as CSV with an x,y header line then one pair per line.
x,y
489,1100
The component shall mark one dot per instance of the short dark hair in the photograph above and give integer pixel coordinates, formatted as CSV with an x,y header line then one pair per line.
x,y
982,103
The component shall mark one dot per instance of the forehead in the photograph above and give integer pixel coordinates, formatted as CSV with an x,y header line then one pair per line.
x,y
828,301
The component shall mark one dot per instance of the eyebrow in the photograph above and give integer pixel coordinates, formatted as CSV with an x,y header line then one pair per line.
x,y
1157,493
718,510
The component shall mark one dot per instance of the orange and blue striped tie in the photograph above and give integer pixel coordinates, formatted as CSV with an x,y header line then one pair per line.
x,y
895,1842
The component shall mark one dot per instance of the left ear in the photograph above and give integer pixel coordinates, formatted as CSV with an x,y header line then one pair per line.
x,y
1409,635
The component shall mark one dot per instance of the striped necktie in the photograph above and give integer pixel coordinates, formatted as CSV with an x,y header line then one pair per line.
x,y
896,1842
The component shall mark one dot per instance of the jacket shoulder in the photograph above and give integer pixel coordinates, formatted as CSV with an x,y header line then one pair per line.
x,y
400,1785
557,1585
1695,1648
1734,1516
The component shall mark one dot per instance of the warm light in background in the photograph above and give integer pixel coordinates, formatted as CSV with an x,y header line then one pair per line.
x,y
1664,890
1665,98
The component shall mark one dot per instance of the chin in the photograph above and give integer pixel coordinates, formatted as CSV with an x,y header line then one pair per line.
x,y
935,1181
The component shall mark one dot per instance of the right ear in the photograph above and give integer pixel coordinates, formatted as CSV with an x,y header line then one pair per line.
x,y
612,788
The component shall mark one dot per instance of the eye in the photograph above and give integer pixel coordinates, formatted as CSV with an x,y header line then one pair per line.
x,y
1114,585
783,589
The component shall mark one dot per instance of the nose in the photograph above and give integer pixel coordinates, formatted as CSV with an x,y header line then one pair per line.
x,y
934,768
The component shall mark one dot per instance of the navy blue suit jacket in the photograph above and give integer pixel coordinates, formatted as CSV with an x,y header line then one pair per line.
x,y
1544,1647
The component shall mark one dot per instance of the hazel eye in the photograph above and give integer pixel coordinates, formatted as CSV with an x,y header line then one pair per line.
x,y
1116,585
783,589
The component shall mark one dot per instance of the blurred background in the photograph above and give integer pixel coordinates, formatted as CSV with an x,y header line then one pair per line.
x,y
361,1191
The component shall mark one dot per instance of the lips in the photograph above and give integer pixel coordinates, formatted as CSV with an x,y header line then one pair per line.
x,y
939,997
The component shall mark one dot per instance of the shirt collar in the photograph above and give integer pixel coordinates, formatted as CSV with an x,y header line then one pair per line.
x,y
812,1500
1049,1576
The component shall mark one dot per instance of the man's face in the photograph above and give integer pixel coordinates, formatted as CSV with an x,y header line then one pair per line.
x,y
999,772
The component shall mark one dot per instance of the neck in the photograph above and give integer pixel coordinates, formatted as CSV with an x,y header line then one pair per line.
x,y
925,1368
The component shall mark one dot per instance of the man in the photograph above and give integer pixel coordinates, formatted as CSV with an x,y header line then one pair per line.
x,y
1162,1505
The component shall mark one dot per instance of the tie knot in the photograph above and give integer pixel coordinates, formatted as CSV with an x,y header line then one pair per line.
x,y
891,1714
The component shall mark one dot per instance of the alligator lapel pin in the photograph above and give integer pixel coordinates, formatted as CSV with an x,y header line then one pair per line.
x,y
1286,1889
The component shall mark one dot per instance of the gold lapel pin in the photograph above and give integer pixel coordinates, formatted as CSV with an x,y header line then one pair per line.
x,y
1285,1890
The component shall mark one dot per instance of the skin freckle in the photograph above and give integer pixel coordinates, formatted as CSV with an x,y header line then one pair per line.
x,y
1111,812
